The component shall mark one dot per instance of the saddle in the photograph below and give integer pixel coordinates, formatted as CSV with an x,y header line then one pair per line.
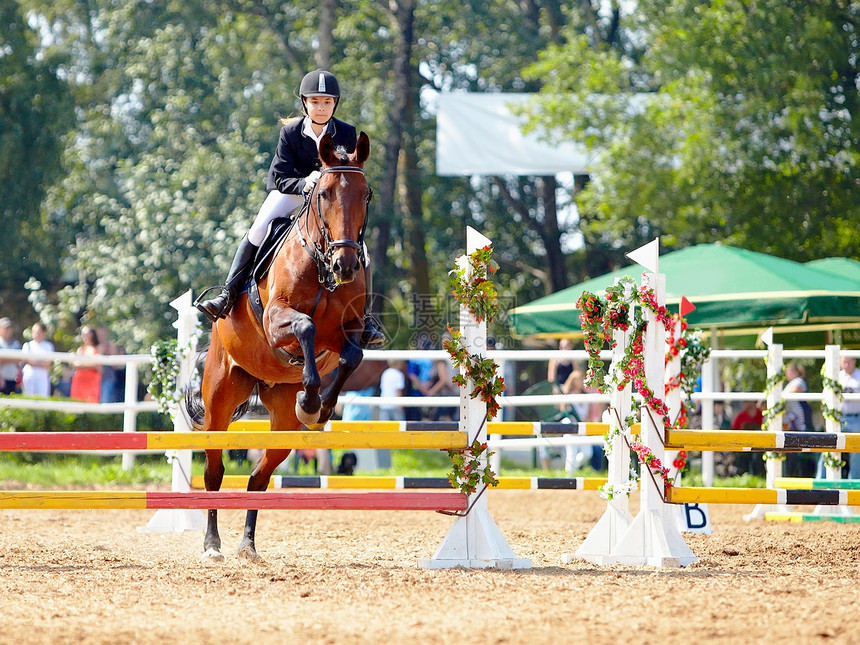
x,y
278,231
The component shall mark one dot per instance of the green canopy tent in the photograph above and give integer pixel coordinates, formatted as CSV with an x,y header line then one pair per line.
x,y
737,293
841,267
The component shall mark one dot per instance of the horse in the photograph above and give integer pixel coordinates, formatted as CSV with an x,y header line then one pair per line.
x,y
312,301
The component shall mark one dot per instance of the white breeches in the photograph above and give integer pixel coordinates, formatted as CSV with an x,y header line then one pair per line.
x,y
277,204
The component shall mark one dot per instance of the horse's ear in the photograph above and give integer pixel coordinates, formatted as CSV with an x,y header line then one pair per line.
x,y
327,151
362,148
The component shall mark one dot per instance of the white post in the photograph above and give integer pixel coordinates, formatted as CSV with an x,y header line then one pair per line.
x,y
178,520
129,417
616,518
708,370
831,400
653,538
474,541
773,467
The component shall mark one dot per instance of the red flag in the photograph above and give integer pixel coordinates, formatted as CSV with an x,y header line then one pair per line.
x,y
686,307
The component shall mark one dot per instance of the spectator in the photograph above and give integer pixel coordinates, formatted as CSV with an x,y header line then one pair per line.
x,y
392,383
722,417
750,417
113,377
849,379
9,367
418,374
559,369
795,418
36,378
86,381
442,385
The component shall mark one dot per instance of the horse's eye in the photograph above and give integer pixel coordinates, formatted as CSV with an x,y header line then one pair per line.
x,y
323,193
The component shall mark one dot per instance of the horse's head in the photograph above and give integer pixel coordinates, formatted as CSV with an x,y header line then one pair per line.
x,y
341,199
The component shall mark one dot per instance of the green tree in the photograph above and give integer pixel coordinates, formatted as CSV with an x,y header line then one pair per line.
x,y
735,122
35,115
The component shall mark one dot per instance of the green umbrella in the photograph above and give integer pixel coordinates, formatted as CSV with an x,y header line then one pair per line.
x,y
737,293
843,267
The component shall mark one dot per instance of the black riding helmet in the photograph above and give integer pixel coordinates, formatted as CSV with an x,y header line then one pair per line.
x,y
319,83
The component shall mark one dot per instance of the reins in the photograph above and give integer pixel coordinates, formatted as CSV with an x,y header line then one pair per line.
x,y
322,253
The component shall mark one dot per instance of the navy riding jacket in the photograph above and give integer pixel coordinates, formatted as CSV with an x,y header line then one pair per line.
x,y
297,155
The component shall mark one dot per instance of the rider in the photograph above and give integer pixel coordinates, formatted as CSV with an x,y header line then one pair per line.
x,y
293,174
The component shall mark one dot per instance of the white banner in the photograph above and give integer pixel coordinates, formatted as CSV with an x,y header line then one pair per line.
x,y
477,134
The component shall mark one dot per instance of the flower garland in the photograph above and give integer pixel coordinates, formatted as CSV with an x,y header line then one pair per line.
x,y
477,292
777,408
165,369
470,465
771,412
599,318
836,387
832,459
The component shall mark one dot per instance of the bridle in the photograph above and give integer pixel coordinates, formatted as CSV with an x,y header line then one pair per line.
x,y
323,253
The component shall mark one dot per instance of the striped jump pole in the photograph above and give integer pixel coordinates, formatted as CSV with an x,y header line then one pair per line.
x,y
764,496
512,428
809,483
48,441
265,500
474,541
812,517
399,482
746,440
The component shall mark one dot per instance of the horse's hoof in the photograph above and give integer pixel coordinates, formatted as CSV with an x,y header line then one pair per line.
x,y
249,554
306,418
212,555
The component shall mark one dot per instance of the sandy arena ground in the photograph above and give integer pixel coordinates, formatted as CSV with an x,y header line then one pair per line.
x,y
351,577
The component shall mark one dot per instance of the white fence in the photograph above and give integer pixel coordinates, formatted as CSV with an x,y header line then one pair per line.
x,y
507,359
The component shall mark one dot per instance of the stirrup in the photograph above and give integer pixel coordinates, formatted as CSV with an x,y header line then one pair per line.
x,y
211,308
372,337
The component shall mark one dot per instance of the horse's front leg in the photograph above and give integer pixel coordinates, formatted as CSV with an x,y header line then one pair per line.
x,y
213,475
283,325
350,358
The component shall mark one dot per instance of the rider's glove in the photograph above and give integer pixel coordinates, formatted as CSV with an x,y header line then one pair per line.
x,y
311,181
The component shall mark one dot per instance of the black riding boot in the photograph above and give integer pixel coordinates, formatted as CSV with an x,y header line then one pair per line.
x,y
372,337
219,306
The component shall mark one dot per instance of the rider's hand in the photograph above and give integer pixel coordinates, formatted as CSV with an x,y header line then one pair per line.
x,y
311,181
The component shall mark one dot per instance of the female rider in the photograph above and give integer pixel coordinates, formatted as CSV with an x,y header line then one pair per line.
x,y
293,174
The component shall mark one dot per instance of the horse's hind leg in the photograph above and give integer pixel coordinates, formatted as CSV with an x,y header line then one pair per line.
x,y
279,401
225,387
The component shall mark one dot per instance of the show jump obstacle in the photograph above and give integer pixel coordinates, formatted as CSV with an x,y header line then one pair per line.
x,y
653,537
474,540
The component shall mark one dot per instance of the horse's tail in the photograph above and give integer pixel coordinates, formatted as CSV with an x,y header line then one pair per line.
x,y
193,397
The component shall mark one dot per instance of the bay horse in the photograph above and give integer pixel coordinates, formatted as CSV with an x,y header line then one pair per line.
x,y
312,301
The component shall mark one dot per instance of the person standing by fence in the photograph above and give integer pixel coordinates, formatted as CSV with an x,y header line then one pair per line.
x,y
849,379
9,367
36,378
86,381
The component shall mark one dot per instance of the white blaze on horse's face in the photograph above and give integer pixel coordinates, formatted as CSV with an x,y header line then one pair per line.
x,y
343,204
